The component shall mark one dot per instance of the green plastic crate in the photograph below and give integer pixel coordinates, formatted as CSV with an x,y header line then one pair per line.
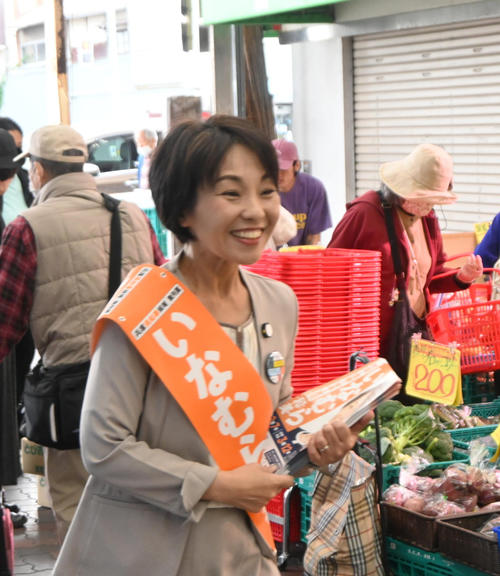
x,y
305,514
306,483
478,387
486,409
163,235
462,436
391,471
306,488
406,560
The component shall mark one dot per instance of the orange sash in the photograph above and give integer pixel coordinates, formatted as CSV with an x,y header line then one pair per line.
x,y
210,378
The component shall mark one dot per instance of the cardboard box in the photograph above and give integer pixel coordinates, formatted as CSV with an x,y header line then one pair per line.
x,y
43,495
455,243
32,461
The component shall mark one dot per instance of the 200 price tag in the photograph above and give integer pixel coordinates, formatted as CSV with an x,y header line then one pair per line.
x,y
496,436
434,373
480,229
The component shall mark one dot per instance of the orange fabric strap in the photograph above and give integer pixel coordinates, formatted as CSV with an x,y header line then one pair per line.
x,y
216,386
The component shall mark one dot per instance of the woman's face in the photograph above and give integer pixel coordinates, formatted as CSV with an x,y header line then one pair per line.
x,y
233,219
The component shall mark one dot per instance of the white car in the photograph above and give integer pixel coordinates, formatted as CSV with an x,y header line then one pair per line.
x,y
113,161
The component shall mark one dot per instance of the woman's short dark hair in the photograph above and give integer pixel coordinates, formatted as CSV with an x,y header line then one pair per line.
x,y
190,157
8,124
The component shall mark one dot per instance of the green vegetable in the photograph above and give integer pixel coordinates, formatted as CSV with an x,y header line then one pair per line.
x,y
389,455
411,429
440,445
418,451
414,410
387,409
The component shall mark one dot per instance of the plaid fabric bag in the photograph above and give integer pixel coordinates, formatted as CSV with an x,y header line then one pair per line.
x,y
345,536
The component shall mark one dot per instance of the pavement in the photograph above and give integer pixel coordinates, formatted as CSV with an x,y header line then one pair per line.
x,y
36,545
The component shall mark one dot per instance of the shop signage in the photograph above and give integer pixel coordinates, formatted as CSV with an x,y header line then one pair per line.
x,y
225,11
434,372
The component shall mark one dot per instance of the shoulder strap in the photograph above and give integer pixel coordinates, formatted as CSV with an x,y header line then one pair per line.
x,y
391,232
115,250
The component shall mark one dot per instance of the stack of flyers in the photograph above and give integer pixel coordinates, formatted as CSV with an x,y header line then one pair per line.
x,y
347,398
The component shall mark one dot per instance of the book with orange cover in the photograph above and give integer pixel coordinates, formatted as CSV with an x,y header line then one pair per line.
x,y
347,398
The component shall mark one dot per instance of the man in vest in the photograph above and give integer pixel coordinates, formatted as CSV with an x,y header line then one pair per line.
x,y
54,276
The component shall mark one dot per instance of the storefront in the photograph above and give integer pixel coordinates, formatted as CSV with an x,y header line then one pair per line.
x,y
373,78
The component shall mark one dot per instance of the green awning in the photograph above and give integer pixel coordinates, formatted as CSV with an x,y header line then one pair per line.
x,y
266,11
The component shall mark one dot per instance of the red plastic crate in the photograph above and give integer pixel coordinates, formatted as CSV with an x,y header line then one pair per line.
x,y
275,511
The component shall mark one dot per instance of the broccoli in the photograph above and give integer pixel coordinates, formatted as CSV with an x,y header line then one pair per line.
x,y
387,409
411,430
386,444
440,445
414,410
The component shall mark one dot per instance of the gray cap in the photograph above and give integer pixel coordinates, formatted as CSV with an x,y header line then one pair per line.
x,y
57,143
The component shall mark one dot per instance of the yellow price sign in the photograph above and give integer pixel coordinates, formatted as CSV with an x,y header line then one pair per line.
x,y
434,373
480,229
496,436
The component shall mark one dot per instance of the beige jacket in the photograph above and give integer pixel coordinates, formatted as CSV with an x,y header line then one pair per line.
x,y
72,234
141,511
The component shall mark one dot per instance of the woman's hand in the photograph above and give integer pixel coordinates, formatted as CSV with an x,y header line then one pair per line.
x,y
248,487
471,270
334,440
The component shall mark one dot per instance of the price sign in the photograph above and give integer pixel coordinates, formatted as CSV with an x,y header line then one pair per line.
x,y
496,436
480,229
434,373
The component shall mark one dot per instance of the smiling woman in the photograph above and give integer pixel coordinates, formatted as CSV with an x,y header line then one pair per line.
x,y
234,217
181,387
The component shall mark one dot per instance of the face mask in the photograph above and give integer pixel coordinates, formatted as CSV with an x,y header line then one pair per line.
x,y
416,207
144,150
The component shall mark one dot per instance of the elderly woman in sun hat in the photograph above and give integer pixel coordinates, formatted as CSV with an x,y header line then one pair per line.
x,y
412,186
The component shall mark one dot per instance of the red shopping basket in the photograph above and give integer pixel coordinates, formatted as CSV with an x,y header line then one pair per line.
x,y
472,295
476,330
472,322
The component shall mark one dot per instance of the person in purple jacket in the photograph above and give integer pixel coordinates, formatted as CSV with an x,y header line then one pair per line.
x,y
302,195
489,247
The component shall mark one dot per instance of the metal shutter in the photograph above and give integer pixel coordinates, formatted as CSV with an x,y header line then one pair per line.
x,y
439,85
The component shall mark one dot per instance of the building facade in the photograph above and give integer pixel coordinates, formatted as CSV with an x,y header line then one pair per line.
x,y
374,78
125,60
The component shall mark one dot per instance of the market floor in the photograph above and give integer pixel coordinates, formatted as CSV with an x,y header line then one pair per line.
x,y
36,545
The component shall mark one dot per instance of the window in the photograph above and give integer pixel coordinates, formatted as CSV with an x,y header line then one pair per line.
x,y
189,28
88,38
122,40
32,44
